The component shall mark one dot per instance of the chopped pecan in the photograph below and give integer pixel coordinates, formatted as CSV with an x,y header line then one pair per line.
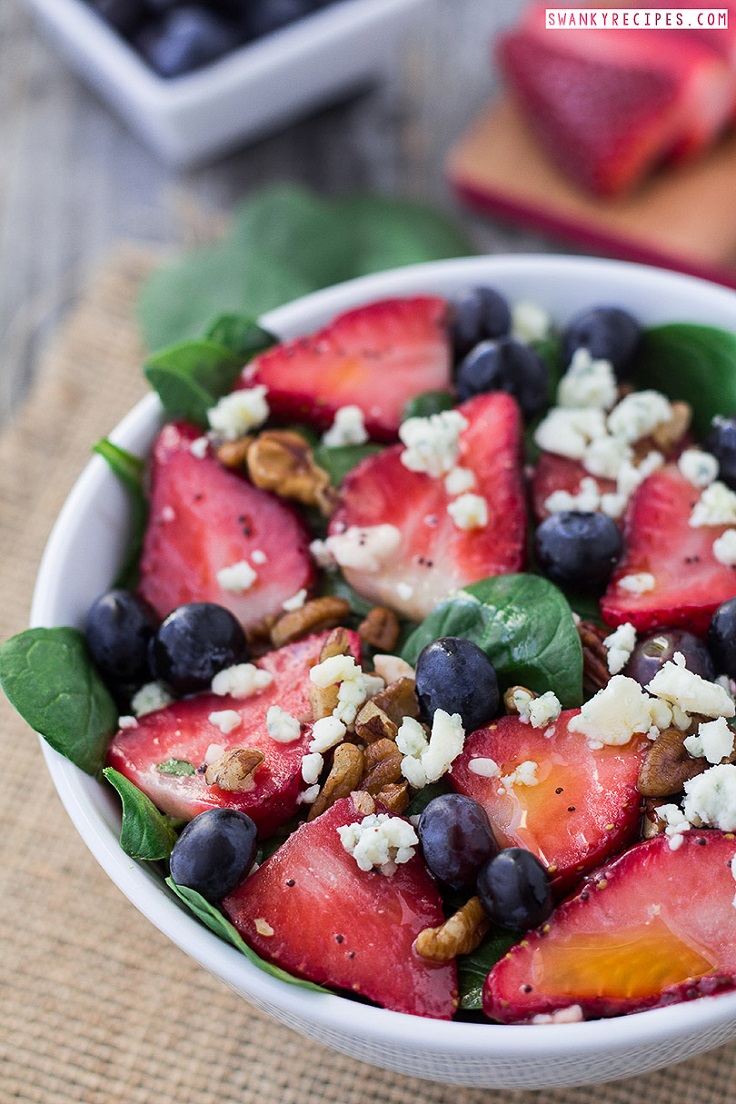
x,y
323,700
395,797
234,770
509,700
392,667
363,802
668,765
669,434
233,454
373,724
380,629
344,776
381,766
337,643
461,934
281,461
315,616
398,700
652,823
595,657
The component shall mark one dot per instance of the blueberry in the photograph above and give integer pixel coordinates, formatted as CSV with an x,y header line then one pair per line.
x,y
608,333
456,838
124,16
578,548
186,38
194,643
214,852
721,441
119,629
454,674
266,16
722,638
652,652
505,365
475,315
515,890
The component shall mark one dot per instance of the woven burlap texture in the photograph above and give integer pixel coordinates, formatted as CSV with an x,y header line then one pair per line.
x,y
96,1007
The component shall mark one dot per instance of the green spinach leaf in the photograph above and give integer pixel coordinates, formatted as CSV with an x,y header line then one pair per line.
x,y
472,969
130,470
190,377
240,335
212,918
48,676
341,459
422,798
389,233
145,832
696,364
428,403
525,626
180,768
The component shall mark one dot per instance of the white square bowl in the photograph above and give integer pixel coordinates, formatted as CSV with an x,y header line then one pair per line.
x,y
258,87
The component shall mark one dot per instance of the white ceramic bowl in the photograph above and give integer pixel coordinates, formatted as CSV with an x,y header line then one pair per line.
x,y
80,562
254,89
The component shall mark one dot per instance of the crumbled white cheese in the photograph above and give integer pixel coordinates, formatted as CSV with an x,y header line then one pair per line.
x,y
151,696
348,428
312,765
236,414
469,511
404,591
362,548
710,798
459,480
588,382
716,506
242,680
225,719
613,505
296,601
588,498
605,455
127,721
342,671
484,766
433,443
427,760
620,644
373,684
638,414
237,577
544,709
615,713
309,796
568,431
199,447
327,732
713,741
572,1014
724,548
641,582
281,726
392,667
675,683
379,840
529,321
258,556
213,753
675,820
631,475
524,775
698,467
676,841
322,554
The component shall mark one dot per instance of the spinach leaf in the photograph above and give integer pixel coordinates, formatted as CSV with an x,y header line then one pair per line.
x,y
428,403
212,918
422,798
240,335
48,676
130,470
338,460
191,377
473,968
693,363
180,768
523,623
334,583
145,832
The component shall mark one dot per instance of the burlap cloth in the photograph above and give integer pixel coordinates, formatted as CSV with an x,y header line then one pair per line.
x,y
96,1007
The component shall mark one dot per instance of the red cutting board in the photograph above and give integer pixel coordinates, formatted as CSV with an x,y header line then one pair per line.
x,y
682,218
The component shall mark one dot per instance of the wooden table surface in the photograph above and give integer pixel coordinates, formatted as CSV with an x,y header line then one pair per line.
x,y
74,180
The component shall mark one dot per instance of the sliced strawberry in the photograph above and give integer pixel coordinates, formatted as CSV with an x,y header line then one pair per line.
x,y
560,473
376,357
608,105
584,806
314,912
689,582
205,517
183,732
637,935
433,555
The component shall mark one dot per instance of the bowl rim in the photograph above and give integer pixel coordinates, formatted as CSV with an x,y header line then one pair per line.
x,y
148,893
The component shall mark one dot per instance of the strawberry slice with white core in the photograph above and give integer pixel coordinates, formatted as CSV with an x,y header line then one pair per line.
x,y
312,910
164,752
656,926
568,799
670,574
214,537
399,534
376,357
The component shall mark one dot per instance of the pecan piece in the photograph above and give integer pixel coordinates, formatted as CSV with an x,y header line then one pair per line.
x,y
595,657
381,766
234,770
395,797
373,724
281,461
380,629
344,776
669,434
461,934
233,454
315,616
337,643
510,701
668,766
398,700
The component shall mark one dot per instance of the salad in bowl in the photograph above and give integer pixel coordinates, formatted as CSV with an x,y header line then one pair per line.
x,y
385,659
